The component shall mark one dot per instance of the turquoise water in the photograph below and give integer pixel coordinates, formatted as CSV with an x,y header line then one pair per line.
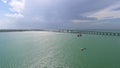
x,y
58,50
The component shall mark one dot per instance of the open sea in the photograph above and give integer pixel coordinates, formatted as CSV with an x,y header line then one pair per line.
x,y
40,49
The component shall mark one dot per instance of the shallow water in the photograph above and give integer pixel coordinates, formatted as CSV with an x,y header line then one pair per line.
x,y
58,50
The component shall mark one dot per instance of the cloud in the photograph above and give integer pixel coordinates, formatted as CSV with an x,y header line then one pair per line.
x,y
7,23
15,15
63,13
4,1
38,19
116,9
60,13
17,5
80,21
64,9
16,8
107,13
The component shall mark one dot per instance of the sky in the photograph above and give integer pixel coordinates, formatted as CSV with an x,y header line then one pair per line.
x,y
59,14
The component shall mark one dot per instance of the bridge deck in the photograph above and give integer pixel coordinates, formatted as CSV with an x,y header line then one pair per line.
x,y
101,33
91,32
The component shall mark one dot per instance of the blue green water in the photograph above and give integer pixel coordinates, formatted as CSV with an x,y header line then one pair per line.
x,y
58,50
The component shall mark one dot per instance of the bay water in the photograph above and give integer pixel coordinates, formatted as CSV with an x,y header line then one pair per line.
x,y
40,49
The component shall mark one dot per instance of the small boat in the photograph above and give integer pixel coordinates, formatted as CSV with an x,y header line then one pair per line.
x,y
79,35
82,49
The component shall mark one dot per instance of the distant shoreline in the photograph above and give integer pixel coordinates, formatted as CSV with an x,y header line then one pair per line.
x,y
94,32
18,30
57,30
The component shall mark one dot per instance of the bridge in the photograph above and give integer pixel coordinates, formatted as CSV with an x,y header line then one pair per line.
x,y
92,32
101,33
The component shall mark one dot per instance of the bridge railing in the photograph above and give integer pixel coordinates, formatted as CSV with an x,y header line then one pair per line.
x,y
101,33
90,32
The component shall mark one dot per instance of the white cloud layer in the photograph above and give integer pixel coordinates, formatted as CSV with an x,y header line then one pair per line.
x,y
4,1
6,23
107,13
15,15
58,13
80,21
16,7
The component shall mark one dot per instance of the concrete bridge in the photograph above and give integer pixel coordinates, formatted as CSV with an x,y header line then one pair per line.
x,y
92,32
101,33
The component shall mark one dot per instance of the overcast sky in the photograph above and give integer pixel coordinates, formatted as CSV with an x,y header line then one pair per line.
x,y
60,14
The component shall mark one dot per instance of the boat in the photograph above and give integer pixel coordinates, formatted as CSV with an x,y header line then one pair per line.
x,y
82,49
79,35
